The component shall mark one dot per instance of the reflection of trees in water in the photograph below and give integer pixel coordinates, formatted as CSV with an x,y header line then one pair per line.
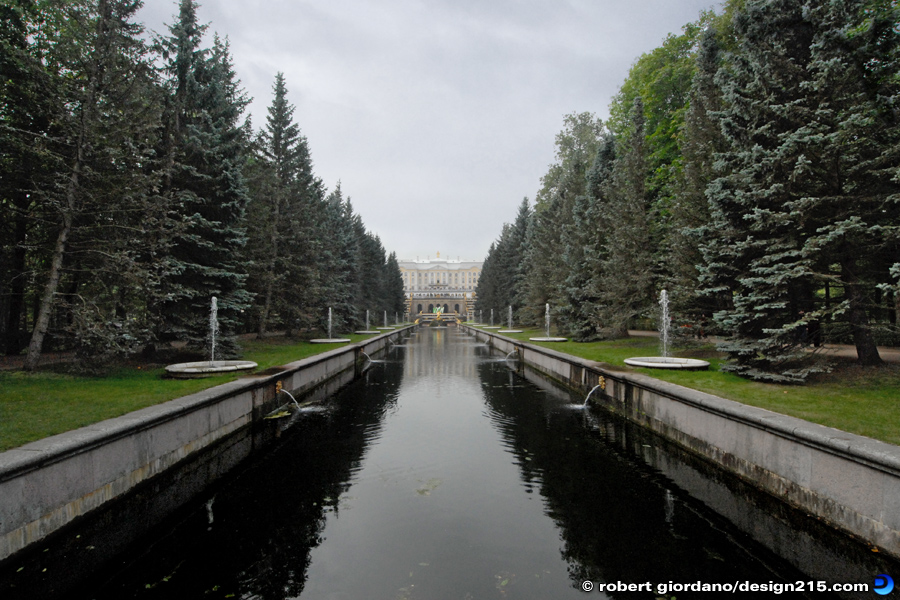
x,y
264,519
619,519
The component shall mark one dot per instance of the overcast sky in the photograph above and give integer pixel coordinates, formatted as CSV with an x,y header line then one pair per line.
x,y
437,116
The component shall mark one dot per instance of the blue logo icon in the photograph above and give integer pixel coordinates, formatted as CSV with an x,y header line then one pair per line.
x,y
883,584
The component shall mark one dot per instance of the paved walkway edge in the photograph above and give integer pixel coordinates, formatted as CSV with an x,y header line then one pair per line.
x,y
849,481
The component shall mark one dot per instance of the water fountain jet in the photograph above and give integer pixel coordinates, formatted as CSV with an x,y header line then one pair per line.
x,y
665,361
329,339
367,331
509,328
207,368
548,338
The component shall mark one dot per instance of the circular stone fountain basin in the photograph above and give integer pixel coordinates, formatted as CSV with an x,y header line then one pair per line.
x,y
666,362
207,368
510,331
330,341
366,332
549,339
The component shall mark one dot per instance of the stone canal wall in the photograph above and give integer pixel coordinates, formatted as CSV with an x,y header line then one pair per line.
x,y
849,481
47,484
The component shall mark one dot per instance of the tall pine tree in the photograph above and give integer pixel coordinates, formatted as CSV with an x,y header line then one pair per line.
x,y
204,189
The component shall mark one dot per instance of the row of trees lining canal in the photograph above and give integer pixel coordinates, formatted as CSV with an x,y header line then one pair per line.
x,y
751,166
134,189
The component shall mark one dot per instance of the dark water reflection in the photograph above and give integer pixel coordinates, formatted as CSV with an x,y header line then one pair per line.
x,y
444,475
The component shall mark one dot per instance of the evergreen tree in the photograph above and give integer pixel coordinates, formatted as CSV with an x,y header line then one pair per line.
x,y
338,260
564,182
205,189
756,247
626,280
97,55
586,249
689,213
284,196
30,103
395,298
805,198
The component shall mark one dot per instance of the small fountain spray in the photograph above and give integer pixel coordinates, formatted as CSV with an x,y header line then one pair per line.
x,y
330,339
492,317
212,366
547,318
509,322
366,330
385,320
601,386
213,327
664,361
665,323
547,338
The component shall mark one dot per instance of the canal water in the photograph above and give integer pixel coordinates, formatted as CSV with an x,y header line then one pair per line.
x,y
445,474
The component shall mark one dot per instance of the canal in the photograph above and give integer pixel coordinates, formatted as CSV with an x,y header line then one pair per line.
x,y
443,473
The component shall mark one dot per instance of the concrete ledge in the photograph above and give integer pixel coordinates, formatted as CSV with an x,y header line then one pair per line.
x,y
850,481
45,485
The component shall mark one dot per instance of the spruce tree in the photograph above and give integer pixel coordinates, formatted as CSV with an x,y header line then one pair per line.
x,y
283,197
30,104
626,280
804,201
586,249
204,188
96,202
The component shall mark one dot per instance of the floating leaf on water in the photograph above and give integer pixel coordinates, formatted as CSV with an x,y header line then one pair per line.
x,y
429,486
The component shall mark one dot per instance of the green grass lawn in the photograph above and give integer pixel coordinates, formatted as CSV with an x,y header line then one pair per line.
x,y
862,400
41,404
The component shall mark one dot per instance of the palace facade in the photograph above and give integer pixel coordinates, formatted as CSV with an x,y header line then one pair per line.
x,y
442,282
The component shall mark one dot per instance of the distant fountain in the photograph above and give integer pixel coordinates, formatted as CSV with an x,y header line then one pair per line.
x,y
206,368
386,326
665,361
665,323
547,327
213,327
509,319
547,318
330,339
366,330
491,326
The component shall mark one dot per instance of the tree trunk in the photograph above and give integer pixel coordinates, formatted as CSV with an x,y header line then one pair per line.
x,y
46,306
270,283
42,320
866,350
17,289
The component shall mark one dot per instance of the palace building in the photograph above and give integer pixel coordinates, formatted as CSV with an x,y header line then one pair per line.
x,y
440,282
